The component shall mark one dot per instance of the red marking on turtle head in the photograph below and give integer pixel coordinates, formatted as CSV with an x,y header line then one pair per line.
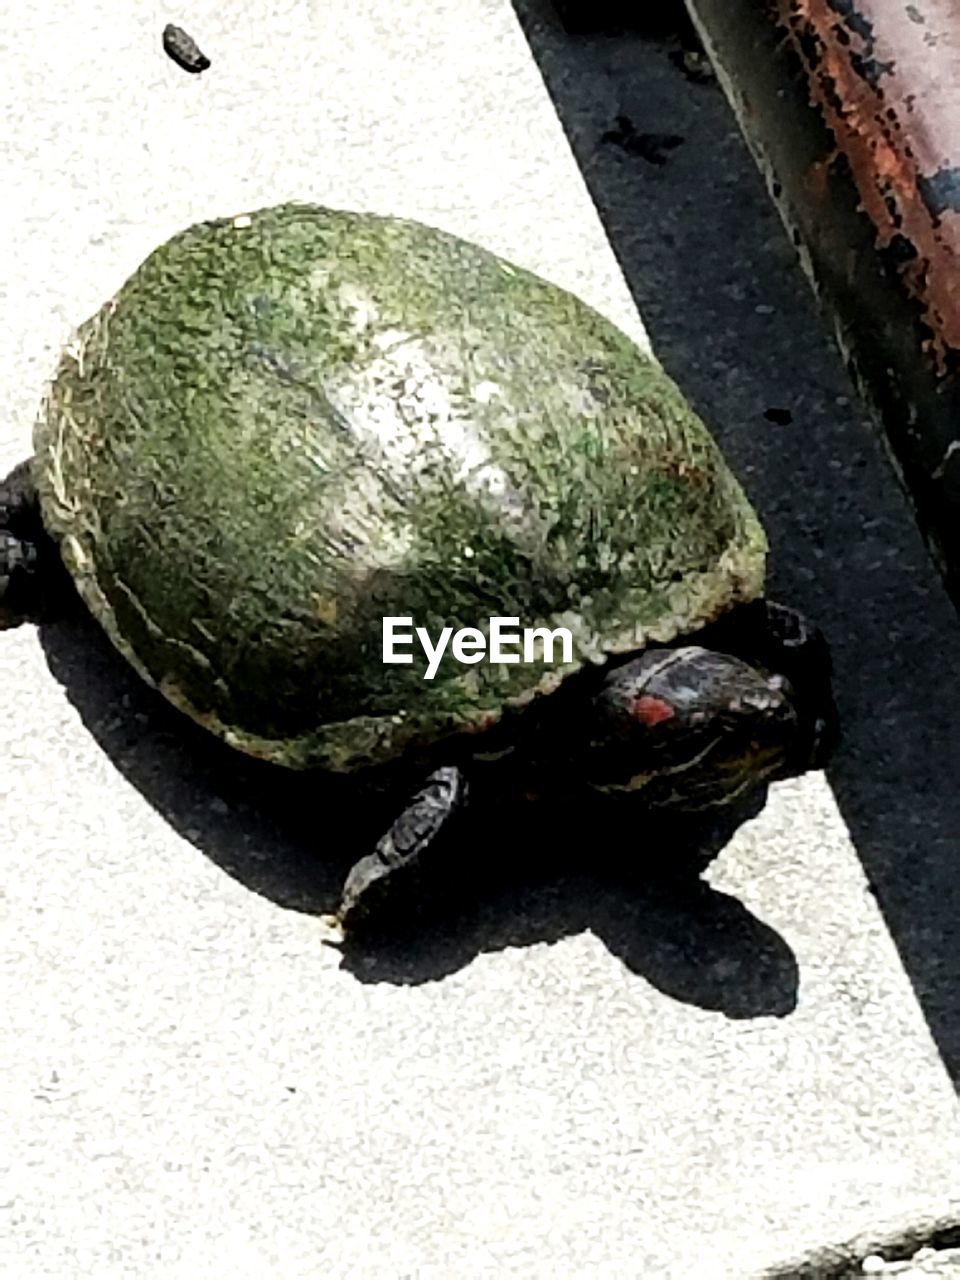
x,y
651,711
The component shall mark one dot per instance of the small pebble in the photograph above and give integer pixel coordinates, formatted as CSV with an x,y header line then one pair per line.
x,y
183,49
782,417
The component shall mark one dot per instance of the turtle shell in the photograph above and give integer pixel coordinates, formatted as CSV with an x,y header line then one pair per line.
x,y
290,424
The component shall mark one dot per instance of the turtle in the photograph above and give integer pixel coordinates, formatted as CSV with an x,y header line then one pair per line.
x,y
293,428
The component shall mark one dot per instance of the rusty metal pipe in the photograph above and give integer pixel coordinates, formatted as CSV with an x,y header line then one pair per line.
x,y
852,110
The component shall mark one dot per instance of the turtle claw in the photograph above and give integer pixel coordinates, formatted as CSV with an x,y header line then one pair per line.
x,y
334,930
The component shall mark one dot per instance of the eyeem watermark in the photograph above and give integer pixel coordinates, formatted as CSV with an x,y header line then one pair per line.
x,y
469,645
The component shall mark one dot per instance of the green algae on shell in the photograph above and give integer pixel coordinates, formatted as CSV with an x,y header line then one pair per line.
x,y
288,425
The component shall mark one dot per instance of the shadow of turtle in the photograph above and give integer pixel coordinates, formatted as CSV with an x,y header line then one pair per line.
x,y
690,941
520,881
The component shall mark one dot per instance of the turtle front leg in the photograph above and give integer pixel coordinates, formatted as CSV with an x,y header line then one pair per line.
x,y
33,583
779,639
379,882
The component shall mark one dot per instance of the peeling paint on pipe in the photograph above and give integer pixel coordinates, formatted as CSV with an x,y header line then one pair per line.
x,y
852,111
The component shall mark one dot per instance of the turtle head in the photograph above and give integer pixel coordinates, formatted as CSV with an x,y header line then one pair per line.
x,y
697,728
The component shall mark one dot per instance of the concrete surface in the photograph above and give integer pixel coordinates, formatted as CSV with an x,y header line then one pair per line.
x,y
576,1077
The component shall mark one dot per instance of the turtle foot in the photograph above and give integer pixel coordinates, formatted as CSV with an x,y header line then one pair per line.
x,y
782,640
21,596
392,883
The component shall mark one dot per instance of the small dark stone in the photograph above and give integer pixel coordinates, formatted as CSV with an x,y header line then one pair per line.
x,y
694,64
183,49
782,417
651,147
